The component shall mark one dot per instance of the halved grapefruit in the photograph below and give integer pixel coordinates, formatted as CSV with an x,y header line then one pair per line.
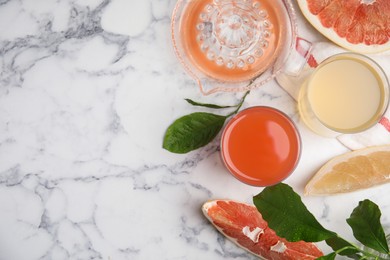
x,y
358,25
244,225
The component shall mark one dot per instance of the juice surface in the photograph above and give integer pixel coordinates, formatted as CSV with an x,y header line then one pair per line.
x,y
260,146
233,40
346,94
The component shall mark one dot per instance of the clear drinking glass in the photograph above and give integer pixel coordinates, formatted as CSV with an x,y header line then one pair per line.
x,y
346,93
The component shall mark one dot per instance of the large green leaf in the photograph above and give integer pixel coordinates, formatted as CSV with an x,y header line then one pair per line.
x,y
285,213
366,226
192,131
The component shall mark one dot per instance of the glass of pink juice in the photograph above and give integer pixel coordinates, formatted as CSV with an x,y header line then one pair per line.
x,y
260,146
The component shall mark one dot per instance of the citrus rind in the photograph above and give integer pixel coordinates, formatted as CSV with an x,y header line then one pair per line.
x,y
334,37
243,225
373,168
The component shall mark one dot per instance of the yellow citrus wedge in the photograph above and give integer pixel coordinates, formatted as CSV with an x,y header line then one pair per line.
x,y
352,171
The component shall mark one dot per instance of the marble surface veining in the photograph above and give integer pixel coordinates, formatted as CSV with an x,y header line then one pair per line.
x,y
87,89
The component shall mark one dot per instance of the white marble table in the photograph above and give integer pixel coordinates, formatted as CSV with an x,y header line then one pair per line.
x,y
87,89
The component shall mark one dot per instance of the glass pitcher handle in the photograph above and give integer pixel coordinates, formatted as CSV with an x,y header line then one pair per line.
x,y
298,66
299,57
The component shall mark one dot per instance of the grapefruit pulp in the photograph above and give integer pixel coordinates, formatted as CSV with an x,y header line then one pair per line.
x,y
358,25
359,169
244,225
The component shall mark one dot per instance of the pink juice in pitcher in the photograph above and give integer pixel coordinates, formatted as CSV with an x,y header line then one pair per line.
x,y
233,40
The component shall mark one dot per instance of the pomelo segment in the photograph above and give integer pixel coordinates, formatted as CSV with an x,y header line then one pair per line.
x,y
358,25
352,171
244,225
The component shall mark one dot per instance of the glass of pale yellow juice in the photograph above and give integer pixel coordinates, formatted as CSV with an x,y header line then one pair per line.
x,y
347,93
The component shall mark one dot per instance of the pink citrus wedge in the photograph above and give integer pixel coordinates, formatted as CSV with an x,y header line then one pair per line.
x,y
358,25
244,225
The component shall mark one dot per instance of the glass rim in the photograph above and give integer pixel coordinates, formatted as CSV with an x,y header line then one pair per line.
x,y
386,89
257,183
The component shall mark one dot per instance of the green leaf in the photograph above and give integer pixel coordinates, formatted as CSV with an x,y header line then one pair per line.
x,y
342,246
196,130
285,213
194,103
192,131
366,226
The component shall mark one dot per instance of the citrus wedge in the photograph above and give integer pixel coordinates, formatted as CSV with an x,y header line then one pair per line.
x,y
358,25
352,171
244,225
